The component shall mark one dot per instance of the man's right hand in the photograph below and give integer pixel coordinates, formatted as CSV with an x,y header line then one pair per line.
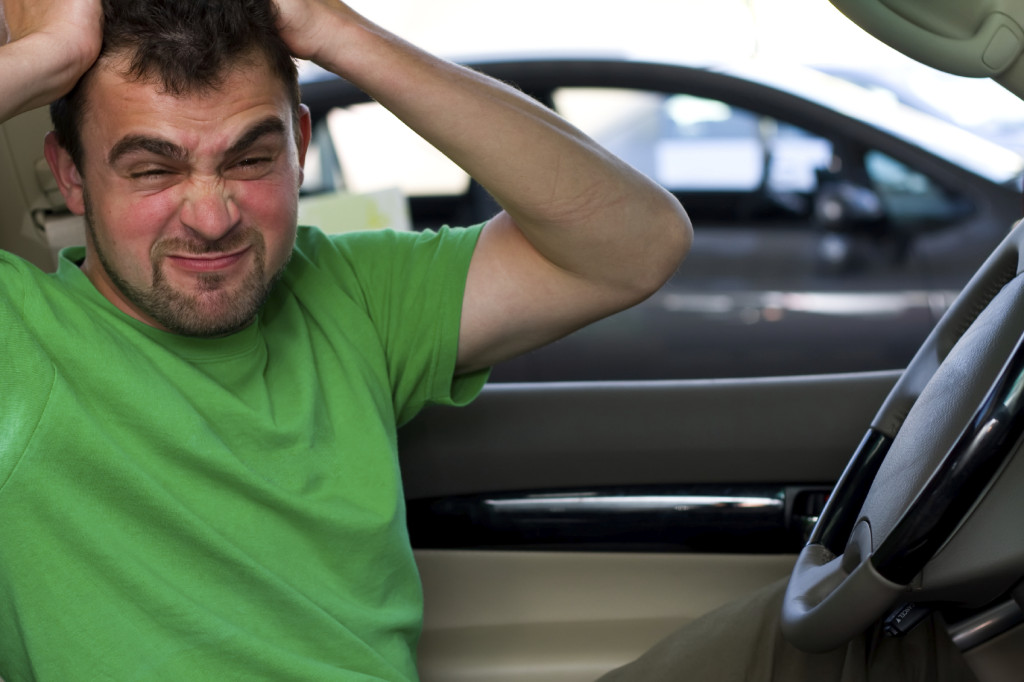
x,y
45,47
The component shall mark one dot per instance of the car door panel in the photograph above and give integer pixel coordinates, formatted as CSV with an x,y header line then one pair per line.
x,y
546,436
521,614
533,616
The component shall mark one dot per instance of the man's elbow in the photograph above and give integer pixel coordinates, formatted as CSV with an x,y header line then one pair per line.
x,y
679,237
670,239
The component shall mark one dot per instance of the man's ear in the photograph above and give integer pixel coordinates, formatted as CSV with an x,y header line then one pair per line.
x,y
305,134
69,180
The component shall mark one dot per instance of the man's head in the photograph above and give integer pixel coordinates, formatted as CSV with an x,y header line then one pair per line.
x,y
183,46
183,148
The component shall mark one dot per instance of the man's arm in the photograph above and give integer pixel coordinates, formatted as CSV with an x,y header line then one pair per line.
x,y
582,235
45,47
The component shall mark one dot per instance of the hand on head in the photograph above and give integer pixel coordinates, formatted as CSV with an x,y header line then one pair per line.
x,y
73,26
58,41
47,45
308,26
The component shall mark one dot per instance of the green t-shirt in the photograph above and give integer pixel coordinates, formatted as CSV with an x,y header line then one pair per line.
x,y
175,508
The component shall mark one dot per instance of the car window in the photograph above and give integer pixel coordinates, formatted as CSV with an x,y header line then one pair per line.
x,y
801,261
908,195
377,151
816,251
689,143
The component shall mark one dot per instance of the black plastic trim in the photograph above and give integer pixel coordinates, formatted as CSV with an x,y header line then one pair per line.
x,y
843,507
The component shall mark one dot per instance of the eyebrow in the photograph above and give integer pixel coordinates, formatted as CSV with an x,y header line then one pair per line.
x,y
272,125
145,143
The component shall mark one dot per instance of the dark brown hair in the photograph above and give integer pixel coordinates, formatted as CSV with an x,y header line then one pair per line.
x,y
183,46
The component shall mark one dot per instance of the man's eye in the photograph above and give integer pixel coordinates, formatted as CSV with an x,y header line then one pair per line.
x,y
149,174
251,163
251,167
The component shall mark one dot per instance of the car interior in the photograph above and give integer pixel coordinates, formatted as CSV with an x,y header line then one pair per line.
x,y
563,528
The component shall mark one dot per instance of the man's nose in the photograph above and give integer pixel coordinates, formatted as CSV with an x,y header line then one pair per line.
x,y
209,209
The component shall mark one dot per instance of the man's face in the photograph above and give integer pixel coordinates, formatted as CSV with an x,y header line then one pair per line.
x,y
190,201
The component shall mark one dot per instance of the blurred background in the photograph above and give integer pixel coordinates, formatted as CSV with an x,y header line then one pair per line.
x,y
835,220
700,32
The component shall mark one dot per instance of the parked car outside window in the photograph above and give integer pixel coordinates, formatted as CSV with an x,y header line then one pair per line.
x,y
830,234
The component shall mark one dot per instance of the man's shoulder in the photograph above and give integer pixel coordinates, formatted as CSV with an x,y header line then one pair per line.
x,y
350,254
374,254
12,265
323,267
16,275
375,265
312,240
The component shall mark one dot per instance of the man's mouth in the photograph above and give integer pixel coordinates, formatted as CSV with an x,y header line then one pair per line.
x,y
207,262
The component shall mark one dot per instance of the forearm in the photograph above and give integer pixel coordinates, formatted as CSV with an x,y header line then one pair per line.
x,y
45,47
582,234
27,78
580,207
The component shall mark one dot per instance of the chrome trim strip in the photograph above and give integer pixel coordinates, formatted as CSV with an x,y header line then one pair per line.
x,y
585,502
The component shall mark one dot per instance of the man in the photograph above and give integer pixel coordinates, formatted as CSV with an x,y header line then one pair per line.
x,y
198,476
197,457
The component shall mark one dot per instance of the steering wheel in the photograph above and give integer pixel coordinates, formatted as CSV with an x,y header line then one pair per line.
x,y
930,507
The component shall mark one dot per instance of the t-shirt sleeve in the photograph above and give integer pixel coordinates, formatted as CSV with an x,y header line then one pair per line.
x,y
412,285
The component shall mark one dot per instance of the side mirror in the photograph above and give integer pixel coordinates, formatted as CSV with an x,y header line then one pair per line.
x,y
841,205
851,219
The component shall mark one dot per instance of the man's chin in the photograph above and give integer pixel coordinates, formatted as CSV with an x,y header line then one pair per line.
x,y
210,313
208,304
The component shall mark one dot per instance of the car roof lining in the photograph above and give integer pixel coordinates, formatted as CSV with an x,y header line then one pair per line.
x,y
982,38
